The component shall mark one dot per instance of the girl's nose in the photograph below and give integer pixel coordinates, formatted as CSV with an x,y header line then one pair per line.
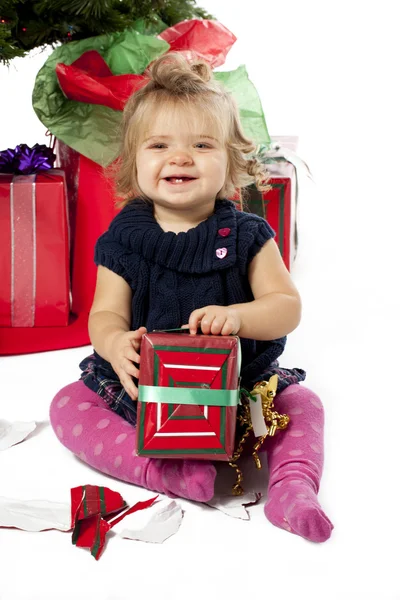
x,y
180,158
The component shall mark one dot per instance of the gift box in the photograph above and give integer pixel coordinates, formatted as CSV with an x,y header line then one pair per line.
x,y
278,207
279,204
34,274
91,209
188,396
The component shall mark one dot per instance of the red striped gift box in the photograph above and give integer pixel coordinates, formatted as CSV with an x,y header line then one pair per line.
x,y
34,258
188,396
278,206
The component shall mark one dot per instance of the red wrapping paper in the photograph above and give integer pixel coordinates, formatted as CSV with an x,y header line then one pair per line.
x,y
92,510
89,79
191,362
202,39
34,263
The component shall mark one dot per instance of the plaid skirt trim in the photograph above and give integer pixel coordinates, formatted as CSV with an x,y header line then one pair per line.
x,y
99,380
286,377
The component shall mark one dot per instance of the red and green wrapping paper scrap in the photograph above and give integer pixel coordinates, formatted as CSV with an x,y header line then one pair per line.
x,y
92,509
79,97
188,396
34,258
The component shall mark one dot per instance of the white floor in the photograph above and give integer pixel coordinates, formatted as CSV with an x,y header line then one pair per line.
x,y
329,79
344,343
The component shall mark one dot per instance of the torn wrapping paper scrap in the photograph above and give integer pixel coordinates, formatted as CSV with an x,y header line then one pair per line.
x,y
91,510
87,501
155,525
89,504
91,514
235,506
90,500
34,515
12,433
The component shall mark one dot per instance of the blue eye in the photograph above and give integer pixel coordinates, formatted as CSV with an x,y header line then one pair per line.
x,y
158,146
203,144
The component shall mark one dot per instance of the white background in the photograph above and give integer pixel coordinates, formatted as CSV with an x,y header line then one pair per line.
x,y
327,72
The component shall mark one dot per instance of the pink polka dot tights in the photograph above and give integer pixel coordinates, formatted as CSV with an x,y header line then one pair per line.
x,y
295,462
86,426
101,438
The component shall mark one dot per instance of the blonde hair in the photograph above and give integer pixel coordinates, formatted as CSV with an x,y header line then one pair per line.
x,y
175,82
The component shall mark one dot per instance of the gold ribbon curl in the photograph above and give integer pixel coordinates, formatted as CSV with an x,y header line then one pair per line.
x,y
273,421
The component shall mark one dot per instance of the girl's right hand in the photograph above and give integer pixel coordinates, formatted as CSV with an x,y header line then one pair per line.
x,y
124,351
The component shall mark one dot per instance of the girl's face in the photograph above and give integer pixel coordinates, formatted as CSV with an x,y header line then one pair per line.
x,y
181,160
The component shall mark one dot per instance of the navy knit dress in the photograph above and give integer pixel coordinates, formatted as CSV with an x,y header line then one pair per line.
x,y
173,274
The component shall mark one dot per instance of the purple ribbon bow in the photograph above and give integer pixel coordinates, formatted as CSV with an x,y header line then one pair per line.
x,y
24,160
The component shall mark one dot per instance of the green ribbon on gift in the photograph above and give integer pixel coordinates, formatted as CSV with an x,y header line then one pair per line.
x,y
191,396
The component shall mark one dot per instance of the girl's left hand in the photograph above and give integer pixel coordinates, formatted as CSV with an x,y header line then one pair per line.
x,y
217,320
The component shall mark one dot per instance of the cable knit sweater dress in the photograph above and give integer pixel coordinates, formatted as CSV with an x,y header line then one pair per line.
x,y
173,274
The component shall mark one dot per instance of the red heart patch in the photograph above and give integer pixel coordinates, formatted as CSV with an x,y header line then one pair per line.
x,y
224,232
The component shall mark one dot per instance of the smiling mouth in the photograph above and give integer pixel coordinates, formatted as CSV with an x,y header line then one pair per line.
x,y
179,180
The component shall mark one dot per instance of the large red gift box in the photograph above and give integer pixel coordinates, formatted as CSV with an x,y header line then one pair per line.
x,y
91,209
188,396
34,258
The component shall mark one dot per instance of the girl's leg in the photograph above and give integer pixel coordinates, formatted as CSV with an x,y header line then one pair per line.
x,y
104,440
295,461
